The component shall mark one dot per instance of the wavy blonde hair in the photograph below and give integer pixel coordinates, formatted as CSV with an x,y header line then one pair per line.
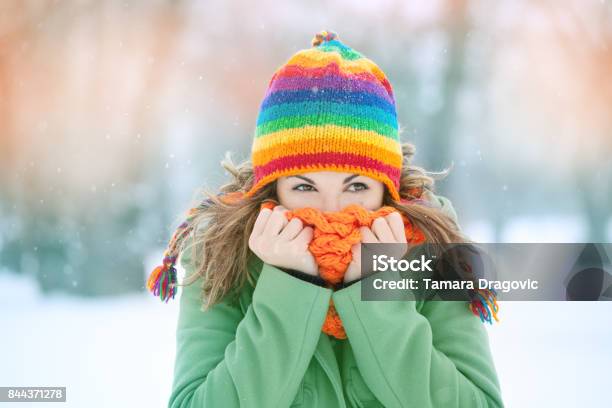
x,y
220,230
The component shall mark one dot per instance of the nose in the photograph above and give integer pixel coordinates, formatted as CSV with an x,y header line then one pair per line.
x,y
331,204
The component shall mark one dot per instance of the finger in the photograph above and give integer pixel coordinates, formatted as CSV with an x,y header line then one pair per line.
x,y
397,226
292,229
367,235
381,228
356,250
261,221
276,222
305,236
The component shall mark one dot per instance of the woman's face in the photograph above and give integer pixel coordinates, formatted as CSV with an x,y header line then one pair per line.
x,y
329,191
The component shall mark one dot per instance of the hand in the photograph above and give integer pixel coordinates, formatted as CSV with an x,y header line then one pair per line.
x,y
388,229
283,243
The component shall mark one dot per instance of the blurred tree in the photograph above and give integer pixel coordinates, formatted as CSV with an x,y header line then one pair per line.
x,y
440,143
583,32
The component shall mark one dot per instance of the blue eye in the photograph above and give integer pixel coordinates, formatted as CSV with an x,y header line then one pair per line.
x,y
297,188
365,187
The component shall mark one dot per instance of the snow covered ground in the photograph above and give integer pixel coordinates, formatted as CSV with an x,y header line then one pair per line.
x,y
554,354
119,352
113,352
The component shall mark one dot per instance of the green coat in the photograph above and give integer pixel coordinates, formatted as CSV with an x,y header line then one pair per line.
x,y
269,351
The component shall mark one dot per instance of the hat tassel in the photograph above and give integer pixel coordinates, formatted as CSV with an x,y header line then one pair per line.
x,y
485,307
162,282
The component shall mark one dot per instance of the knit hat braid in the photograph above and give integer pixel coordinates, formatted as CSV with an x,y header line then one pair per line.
x,y
328,108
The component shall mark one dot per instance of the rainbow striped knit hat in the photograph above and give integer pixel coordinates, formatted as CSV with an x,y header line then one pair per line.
x,y
328,108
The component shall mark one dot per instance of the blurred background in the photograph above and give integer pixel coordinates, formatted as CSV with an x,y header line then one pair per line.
x,y
113,114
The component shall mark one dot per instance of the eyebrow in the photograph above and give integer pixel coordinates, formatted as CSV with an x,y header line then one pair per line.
x,y
346,180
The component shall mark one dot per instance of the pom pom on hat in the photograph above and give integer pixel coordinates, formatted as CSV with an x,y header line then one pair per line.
x,y
323,36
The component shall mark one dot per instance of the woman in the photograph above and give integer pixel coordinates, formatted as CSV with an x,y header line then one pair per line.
x,y
254,301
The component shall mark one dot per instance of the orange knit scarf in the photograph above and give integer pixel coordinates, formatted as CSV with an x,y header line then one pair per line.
x,y
334,235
